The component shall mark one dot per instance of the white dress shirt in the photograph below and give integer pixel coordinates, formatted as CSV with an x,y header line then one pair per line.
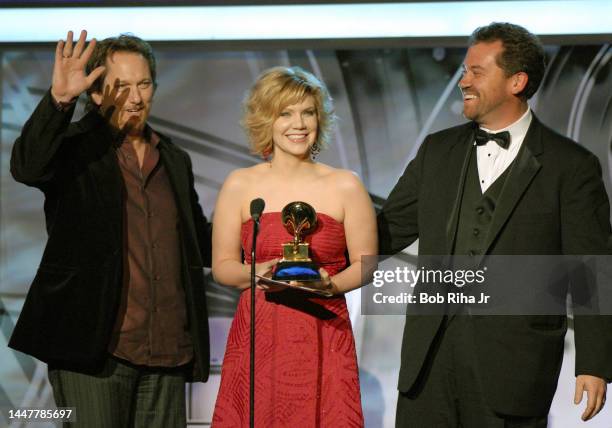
x,y
494,160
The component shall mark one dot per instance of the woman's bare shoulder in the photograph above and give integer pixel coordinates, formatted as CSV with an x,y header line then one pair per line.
x,y
340,179
243,178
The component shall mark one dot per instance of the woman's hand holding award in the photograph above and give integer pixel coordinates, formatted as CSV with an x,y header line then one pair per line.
x,y
296,269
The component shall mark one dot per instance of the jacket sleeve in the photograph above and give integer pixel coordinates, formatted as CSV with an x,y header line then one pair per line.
x,y
34,159
398,224
203,227
585,229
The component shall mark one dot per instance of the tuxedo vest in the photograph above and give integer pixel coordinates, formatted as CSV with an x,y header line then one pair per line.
x,y
476,210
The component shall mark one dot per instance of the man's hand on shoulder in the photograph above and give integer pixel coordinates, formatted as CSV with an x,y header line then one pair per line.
x,y
595,388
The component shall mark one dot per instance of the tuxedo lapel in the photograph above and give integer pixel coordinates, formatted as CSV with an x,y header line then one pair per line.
x,y
465,148
522,171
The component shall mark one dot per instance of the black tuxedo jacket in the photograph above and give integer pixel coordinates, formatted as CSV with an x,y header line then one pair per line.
x,y
72,304
553,202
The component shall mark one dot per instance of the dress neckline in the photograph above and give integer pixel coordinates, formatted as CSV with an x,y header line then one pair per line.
x,y
278,212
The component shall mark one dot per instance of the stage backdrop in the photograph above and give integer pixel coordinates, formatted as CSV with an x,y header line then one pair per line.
x,y
387,100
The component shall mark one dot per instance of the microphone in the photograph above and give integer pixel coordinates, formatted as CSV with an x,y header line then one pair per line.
x,y
257,207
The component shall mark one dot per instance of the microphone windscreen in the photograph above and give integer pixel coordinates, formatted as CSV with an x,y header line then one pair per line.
x,y
257,207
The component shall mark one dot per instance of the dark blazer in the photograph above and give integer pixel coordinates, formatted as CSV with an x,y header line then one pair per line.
x,y
72,304
553,202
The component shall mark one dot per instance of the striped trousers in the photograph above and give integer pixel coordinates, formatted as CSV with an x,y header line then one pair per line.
x,y
122,395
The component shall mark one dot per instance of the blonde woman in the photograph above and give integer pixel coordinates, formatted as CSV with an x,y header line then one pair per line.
x,y
306,367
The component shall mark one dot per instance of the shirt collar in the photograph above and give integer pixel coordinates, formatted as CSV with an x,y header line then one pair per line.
x,y
149,135
518,129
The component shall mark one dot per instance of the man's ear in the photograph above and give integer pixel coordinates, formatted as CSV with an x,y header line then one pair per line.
x,y
519,82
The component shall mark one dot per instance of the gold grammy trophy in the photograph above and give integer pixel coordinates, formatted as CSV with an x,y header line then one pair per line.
x,y
300,219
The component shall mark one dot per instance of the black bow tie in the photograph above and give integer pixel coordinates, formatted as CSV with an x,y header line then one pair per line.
x,y
501,138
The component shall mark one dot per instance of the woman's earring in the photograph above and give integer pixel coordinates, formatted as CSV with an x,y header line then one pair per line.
x,y
314,150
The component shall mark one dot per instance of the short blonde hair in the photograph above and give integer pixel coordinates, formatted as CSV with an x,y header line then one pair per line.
x,y
275,89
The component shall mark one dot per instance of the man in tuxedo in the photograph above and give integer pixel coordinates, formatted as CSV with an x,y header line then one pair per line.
x,y
117,308
504,184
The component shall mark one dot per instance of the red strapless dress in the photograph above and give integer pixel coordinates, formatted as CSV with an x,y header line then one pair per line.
x,y
305,363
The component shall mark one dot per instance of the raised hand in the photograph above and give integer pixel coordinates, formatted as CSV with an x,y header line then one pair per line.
x,y
69,76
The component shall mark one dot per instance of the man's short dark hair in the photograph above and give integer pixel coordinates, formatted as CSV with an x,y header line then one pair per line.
x,y
107,47
523,51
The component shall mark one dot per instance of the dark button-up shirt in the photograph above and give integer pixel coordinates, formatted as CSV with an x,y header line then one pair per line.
x,y
152,325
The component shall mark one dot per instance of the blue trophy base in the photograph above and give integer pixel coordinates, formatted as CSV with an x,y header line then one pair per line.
x,y
296,271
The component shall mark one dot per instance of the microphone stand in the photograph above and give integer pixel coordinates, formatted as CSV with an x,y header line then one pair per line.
x,y
252,370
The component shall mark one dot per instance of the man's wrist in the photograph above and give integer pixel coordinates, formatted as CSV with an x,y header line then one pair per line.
x,y
62,104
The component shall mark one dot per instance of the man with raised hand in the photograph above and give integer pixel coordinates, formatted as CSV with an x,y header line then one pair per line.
x,y
117,308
